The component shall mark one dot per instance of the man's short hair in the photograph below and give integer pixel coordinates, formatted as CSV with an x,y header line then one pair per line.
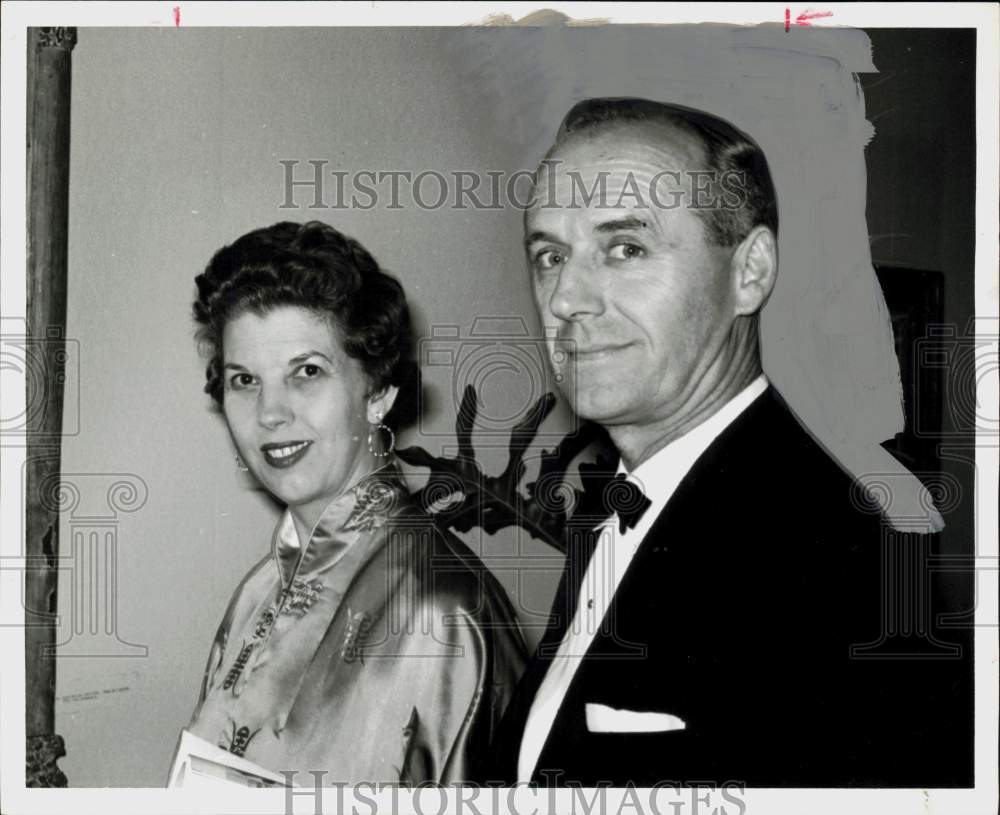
x,y
727,150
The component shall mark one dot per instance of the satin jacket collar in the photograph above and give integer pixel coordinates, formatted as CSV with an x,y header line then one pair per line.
x,y
363,507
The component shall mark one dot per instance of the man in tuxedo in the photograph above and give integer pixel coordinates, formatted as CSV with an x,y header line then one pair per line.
x,y
717,627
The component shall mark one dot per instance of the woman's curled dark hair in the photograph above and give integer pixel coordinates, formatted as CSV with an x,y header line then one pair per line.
x,y
315,267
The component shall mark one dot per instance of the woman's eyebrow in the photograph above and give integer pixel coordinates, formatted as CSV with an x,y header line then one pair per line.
x,y
303,357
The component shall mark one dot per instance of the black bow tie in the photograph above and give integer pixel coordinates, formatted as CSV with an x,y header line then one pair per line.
x,y
625,498
602,497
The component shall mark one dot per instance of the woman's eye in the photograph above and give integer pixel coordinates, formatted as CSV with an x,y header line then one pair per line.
x,y
548,259
626,251
308,371
240,381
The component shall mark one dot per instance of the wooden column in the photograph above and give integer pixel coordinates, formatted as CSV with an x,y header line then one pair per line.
x,y
49,71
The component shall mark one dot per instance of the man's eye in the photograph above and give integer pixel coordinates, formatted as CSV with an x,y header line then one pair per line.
x,y
626,251
240,381
549,259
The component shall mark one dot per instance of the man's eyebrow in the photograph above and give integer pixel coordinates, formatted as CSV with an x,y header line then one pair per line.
x,y
629,222
540,236
620,224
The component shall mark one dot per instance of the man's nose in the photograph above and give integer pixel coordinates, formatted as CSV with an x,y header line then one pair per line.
x,y
273,407
577,292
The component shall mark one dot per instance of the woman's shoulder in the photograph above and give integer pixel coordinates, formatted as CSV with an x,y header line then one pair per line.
x,y
255,583
260,572
452,574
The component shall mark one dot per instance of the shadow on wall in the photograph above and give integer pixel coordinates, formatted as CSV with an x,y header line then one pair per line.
x,y
826,336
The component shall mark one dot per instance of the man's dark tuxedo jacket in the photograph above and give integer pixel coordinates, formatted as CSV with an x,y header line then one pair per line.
x,y
738,614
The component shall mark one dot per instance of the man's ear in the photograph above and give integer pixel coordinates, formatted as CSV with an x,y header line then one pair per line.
x,y
380,404
755,266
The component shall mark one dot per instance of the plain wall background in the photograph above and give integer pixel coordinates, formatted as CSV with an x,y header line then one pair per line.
x,y
176,138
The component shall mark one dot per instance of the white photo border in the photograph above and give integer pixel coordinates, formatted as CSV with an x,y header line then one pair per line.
x,y
18,16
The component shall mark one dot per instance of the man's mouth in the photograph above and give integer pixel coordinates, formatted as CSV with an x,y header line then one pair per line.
x,y
284,454
593,352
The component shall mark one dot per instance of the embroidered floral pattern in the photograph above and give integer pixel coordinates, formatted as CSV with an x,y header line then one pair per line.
x,y
260,632
299,597
239,740
374,499
372,502
239,665
358,627
264,623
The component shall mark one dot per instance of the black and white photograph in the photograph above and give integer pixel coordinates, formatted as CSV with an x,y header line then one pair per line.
x,y
505,407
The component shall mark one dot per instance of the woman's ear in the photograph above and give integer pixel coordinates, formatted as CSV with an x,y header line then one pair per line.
x,y
754,267
381,403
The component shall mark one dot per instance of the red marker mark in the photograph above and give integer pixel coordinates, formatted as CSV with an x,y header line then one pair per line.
x,y
806,16
788,19
177,16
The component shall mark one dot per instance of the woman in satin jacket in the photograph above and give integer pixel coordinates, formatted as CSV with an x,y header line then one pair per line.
x,y
367,645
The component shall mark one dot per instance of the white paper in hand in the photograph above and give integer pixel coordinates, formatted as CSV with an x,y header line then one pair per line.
x,y
199,764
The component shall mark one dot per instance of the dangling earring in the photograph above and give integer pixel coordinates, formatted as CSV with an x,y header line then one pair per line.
x,y
239,464
371,438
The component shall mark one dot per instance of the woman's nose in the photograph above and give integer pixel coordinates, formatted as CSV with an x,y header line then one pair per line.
x,y
273,407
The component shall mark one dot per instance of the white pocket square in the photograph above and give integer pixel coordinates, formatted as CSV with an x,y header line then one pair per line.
x,y
604,719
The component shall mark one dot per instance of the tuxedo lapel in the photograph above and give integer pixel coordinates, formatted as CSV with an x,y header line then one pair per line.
x,y
579,542
675,538
641,655
746,596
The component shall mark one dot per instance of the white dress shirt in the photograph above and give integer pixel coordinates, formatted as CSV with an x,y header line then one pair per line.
x,y
658,477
